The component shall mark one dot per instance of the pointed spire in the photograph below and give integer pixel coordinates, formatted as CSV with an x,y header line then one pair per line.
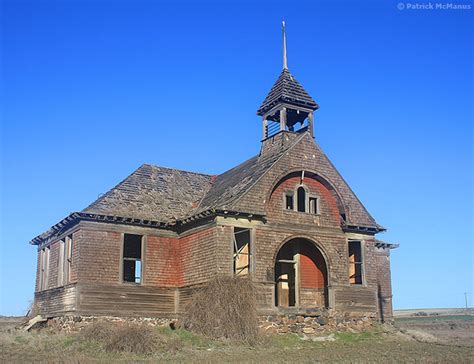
x,y
285,62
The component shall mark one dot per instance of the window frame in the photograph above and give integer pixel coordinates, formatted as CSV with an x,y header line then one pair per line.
x,y
142,260
61,255
68,246
361,262
251,251
317,207
286,195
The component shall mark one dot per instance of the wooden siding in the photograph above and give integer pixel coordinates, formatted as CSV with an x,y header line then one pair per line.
x,y
56,300
126,300
356,299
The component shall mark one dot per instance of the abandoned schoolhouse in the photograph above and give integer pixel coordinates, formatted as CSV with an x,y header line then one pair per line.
x,y
285,217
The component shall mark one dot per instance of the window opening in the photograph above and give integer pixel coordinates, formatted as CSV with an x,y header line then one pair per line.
x,y
289,204
132,258
314,205
355,262
301,194
242,251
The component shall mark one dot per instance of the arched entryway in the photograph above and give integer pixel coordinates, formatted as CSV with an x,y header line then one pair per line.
x,y
300,275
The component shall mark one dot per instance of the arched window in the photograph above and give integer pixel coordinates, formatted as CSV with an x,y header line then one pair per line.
x,y
301,198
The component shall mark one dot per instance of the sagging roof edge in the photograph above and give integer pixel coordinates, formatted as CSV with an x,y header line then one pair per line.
x,y
75,217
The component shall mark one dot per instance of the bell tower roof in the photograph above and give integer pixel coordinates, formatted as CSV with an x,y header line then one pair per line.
x,y
287,104
287,90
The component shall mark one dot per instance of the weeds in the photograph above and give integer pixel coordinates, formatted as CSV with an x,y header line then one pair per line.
x,y
224,309
128,338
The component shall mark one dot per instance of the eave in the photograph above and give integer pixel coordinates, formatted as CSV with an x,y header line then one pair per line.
x,y
75,217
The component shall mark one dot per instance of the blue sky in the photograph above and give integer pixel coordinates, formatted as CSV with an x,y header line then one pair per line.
x,y
93,89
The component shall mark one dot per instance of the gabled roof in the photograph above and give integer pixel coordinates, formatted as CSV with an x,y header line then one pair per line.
x,y
288,90
164,197
231,185
154,193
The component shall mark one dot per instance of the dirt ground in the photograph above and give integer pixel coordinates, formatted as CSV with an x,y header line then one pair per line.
x,y
433,340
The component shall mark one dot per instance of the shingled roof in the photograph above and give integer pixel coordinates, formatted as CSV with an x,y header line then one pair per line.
x,y
154,193
287,89
164,196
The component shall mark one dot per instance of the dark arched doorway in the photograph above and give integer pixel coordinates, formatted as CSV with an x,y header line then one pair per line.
x,y
300,275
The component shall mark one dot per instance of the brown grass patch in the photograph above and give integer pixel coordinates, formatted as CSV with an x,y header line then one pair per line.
x,y
225,308
127,337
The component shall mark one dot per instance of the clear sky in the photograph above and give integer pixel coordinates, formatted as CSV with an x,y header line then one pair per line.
x,y
93,89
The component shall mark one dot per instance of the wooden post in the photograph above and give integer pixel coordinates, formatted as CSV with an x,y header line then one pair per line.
x,y
311,124
283,119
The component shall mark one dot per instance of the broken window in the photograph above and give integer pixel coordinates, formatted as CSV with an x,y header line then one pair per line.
x,y
44,269
355,262
289,204
67,259
242,251
301,195
132,258
314,205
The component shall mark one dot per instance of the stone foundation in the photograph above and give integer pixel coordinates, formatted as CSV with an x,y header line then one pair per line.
x,y
307,323
316,323
76,323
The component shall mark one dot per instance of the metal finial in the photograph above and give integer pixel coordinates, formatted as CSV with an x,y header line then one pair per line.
x,y
285,62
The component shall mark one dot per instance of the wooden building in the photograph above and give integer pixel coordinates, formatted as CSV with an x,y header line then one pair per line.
x,y
286,217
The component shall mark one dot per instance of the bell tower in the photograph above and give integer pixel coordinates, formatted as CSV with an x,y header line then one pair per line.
x,y
287,107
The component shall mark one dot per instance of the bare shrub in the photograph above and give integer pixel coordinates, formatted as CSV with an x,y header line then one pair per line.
x,y
225,308
126,337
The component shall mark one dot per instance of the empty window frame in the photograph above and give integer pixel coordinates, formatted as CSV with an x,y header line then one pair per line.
x,y
356,267
132,258
301,199
44,268
289,200
67,259
242,242
314,205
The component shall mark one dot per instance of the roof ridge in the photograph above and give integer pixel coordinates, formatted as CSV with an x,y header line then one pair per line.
x,y
296,141
173,169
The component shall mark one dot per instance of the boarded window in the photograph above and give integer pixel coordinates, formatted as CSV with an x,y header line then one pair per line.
x,y
44,268
289,204
314,205
301,196
132,258
64,260
355,262
242,251
61,260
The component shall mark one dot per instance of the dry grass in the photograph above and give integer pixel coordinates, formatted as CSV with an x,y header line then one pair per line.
x,y
128,338
224,309
378,346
